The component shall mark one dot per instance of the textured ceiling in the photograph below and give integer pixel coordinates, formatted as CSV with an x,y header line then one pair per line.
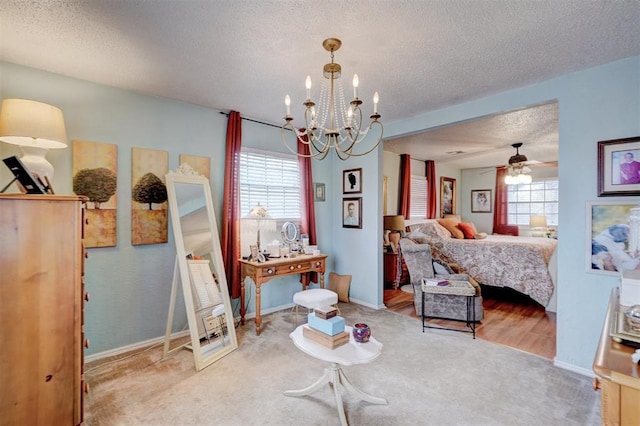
x,y
420,55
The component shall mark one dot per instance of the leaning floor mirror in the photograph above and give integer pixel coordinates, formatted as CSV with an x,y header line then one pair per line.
x,y
199,269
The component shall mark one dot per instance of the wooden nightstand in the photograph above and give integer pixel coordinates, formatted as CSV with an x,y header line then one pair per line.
x,y
391,270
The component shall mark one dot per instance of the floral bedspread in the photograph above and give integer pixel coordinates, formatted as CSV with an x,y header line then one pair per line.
x,y
520,263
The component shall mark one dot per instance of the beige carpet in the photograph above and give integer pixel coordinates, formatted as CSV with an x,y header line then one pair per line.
x,y
431,378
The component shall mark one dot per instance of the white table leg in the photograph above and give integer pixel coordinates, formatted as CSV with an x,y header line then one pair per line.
x,y
363,396
333,375
326,378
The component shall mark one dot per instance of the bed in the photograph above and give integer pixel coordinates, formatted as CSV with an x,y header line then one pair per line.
x,y
520,263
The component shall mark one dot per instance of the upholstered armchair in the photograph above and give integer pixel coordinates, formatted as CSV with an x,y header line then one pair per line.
x,y
420,265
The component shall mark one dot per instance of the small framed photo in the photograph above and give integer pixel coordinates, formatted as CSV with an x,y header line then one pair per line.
x,y
447,196
318,192
619,167
612,245
481,201
352,181
352,212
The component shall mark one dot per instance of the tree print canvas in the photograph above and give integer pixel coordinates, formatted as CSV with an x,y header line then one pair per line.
x,y
95,170
202,165
149,223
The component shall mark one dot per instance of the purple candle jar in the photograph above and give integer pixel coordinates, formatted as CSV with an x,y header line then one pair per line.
x,y
361,332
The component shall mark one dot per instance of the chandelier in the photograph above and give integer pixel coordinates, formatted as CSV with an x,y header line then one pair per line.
x,y
330,124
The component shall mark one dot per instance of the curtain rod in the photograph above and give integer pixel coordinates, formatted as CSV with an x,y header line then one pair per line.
x,y
251,119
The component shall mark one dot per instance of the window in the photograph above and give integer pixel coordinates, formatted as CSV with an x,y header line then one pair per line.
x,y
539,198
271,180
418,205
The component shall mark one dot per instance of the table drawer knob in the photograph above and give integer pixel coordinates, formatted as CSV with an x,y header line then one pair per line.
x,y
270,271
299,266
291,268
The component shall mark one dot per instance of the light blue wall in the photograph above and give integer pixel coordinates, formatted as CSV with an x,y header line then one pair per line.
x,y
130,285
597,104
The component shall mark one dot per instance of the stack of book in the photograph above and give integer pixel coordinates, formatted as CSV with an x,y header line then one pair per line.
x,y
326,328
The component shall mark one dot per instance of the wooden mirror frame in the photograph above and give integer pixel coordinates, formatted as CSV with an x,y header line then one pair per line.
x,y
207,354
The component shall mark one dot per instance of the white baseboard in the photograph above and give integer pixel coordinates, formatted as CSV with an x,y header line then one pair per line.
x,y
133,347
575,369
160,340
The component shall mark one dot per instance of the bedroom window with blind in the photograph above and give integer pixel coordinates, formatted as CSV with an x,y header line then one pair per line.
x,y
273,181
418,206
538,198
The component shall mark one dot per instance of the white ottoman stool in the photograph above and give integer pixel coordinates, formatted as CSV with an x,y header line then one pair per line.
x,y
314,298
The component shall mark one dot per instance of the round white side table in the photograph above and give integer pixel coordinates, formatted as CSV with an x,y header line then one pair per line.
x,y
348,354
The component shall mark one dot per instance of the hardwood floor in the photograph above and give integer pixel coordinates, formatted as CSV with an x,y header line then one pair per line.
x,y
510,319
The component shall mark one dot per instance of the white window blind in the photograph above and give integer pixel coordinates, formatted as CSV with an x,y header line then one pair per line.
x,y
271,180
538,198
418,205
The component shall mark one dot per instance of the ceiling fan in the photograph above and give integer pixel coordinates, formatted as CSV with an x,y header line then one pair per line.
x,y
519,162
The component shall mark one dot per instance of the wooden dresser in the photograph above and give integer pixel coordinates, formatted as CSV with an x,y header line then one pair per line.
x,y
41,309
617,377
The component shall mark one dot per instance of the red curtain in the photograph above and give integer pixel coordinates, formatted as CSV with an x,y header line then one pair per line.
x,y
431,189
231,205
308,213
500,219
405,185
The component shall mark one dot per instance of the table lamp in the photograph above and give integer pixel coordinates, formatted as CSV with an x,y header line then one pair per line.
x,y
36,128
394,224
538,225
258,218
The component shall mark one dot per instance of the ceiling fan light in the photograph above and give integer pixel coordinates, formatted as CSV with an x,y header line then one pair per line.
x,y
524,178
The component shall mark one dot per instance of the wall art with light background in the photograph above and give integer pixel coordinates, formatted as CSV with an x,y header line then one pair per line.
x,y
95,171
149,223
612,238
202,165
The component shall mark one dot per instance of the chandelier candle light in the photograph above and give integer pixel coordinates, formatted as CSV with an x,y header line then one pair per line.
x,y
331,124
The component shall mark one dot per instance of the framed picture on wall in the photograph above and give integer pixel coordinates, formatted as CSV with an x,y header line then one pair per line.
x,y
619,167
611,245
447,196
352,181
481,201
318,191
352,212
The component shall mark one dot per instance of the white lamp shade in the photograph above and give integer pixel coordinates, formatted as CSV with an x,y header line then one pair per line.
x,y
35,127
538,221
31,123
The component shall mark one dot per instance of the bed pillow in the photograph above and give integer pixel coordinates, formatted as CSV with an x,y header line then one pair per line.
x,y
468,229
434,229
480,236
450,225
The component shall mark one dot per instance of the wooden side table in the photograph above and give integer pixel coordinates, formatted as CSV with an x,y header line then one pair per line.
x,y
261,272
395,272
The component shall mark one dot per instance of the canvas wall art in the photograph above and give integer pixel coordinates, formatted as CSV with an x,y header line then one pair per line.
x,y
95,171
149,223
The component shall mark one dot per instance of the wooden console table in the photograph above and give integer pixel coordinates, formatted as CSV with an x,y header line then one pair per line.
x,y
261,272
617,376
